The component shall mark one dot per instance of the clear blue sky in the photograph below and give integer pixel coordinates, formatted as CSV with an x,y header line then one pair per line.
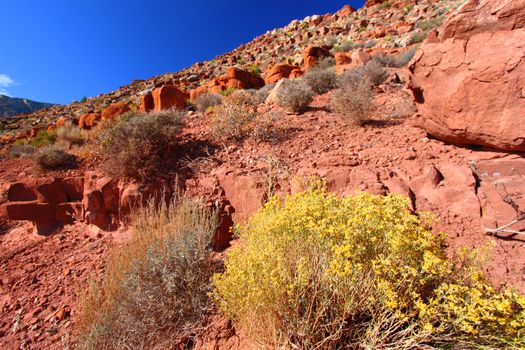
x,y
61,50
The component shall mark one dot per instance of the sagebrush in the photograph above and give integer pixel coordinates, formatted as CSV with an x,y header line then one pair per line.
x,y
294,95
154,293
137,146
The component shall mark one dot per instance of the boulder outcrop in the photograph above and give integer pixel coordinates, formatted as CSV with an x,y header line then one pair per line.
x,y
469,86
168,96
114,110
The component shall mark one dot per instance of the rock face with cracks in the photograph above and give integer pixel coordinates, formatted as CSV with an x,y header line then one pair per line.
x,y
468,86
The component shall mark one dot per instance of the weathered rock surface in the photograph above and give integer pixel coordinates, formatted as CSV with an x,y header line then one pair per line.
x,y
168,96
469,86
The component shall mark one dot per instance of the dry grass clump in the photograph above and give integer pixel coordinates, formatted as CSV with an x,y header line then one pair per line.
x,y
20,150
316,271
320,80
294,95
154,293
205,101
135,147
232,120
353,100
243,98
266,127
69,134
52,158
262,94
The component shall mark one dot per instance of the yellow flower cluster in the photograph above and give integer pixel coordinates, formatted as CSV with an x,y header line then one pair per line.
x,y
311,262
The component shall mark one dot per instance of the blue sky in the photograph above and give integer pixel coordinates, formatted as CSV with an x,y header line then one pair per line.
x,y
61,50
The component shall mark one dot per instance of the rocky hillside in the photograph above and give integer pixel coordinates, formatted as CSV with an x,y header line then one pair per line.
x,y
390,26
435,132
10,106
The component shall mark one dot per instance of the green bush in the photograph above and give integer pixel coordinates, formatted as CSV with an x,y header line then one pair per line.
x,y
52,157
315,271
154,293
294,95
136,147
417,38
44,138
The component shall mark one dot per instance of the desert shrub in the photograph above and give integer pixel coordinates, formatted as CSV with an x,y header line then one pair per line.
x,y
263,92
44,138
20,150
315,271
370,44
396,61
320,80
136,148
228,91
254,69
52,157
205,101
345,46
417,38
376,73
266,127
69,134
353,102
429,24
372,71
243,97
232,121
294,95
154,293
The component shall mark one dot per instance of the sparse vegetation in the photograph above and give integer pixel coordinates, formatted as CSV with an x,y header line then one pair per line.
x,y
228,91
69,134
429,24
232,121
294,95
263,92
316,271
207,100
44,138
52,157
154,294
266,127
320,80
353,101
417,38
136,148
20,150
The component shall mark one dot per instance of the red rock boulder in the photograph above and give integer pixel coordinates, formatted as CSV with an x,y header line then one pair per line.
x,y
88,121
278,72
345,11
146,103
313,54
114,110
242,79
169,96
468,86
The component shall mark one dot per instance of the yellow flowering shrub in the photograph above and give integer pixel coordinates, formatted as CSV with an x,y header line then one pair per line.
x,y
316,271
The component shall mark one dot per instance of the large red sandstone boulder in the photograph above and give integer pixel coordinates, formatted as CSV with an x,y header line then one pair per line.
x,y
469,86
279,71
146,103
114,110
88,121
345,11
313,54
169,96
242,79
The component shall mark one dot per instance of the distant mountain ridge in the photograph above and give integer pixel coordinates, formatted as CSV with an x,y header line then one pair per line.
x,y
10,106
